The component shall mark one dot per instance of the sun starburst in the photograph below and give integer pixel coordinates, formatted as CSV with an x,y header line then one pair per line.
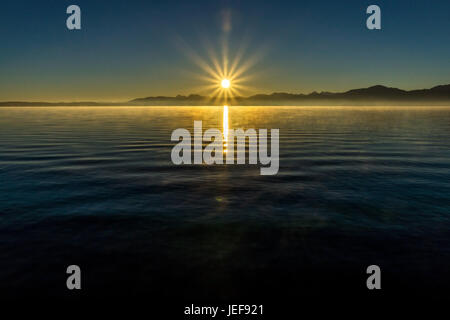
x,y
223,79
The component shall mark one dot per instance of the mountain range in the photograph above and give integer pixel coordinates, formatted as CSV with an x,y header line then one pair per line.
x,y
375,95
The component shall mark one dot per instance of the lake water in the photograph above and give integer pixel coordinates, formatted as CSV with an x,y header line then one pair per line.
x,y
95,186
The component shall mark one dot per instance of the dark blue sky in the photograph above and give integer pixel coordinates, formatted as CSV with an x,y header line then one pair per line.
x,y
130,49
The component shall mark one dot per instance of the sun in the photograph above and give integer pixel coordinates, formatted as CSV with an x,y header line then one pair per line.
x,y
224,78
225,83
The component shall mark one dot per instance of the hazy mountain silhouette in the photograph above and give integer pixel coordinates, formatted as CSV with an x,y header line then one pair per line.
x,y
375,95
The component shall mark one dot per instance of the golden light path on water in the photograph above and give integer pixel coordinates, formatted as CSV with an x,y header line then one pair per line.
x,y
225,128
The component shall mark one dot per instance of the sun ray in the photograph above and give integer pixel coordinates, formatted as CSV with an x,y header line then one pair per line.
x,y
224,78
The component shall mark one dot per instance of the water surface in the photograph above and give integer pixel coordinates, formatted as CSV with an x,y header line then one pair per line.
x,y
95,186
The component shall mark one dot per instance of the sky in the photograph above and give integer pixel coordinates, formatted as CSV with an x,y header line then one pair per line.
x,y
129,49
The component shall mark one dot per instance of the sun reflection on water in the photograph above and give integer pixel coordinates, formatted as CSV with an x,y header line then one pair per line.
x,y
225,128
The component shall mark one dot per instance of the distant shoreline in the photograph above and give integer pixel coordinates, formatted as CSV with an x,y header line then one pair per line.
x,y
372,96
393,105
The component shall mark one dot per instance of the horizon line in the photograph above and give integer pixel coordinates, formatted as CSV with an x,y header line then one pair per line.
x,y
197,95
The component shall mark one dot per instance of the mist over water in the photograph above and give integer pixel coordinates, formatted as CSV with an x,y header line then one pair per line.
x,y
95,186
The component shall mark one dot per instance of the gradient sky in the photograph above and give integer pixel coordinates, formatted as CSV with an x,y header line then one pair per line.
x,y
129,49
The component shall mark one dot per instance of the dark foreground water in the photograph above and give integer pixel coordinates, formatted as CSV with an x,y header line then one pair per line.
x,y
95,187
